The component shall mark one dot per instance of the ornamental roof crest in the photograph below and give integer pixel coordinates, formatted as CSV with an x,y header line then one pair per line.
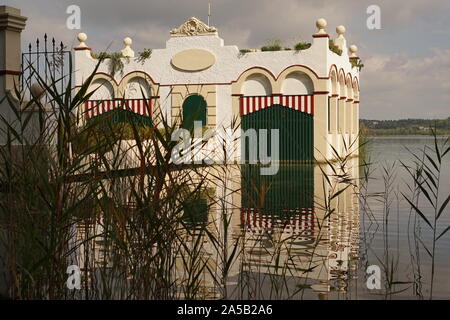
x,y
193,27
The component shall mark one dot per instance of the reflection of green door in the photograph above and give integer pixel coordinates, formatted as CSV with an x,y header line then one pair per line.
x,y
290,191
195,212
296,131
194,109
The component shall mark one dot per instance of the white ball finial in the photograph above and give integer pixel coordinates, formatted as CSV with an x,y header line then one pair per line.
x,y
127,52
340,30
37,91
353,49
127,41
82,37
321,25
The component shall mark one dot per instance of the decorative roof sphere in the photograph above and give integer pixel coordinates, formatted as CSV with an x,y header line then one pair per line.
x,y
127,41
82,37
340,30
37,90
321,23
353,48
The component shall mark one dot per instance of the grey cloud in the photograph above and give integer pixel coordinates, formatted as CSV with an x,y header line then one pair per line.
x,y
404,86
410,29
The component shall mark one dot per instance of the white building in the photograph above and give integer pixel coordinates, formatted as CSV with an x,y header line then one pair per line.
x,y
316,89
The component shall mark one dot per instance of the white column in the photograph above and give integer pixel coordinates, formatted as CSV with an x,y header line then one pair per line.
x,y
348,116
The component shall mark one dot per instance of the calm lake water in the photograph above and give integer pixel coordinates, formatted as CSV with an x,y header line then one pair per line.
x,y
292,251
396,240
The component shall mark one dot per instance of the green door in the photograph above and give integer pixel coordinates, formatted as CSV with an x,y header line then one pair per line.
x,y
194,109
296,132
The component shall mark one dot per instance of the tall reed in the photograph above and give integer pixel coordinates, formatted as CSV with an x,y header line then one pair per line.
x,y
427,177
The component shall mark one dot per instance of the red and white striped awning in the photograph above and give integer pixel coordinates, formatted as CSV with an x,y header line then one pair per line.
x,y
304,103
94,108
300,222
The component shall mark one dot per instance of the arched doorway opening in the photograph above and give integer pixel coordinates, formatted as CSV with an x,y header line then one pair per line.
x,y
194,109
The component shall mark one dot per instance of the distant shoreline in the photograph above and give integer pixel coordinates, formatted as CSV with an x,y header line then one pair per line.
x,y
406,127
404,135
370,133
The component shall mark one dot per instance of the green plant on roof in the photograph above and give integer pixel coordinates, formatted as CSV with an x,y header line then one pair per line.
x,y
302,46
357,63
334,48
144,55
101,55
244,51
115,63
272,45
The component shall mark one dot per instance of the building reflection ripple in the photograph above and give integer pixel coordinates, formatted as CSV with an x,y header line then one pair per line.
x,y
295,244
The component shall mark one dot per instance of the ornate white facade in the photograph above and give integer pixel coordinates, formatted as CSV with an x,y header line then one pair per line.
x,y
196,61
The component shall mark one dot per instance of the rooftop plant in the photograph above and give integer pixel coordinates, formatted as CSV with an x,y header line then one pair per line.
x,y
302,46
244,51
272,45
144,55
334,48
357,63
115,63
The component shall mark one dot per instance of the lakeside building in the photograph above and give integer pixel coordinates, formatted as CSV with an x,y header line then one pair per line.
x,y
311,95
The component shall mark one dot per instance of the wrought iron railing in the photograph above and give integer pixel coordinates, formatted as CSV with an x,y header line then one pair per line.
x,y
46,62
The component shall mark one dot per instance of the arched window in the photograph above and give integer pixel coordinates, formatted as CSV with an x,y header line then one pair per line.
x,y
103,90
194,109
298,83
137,88
257,85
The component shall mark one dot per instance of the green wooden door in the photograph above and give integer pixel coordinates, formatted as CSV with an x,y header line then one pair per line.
x,y
296,131
194,109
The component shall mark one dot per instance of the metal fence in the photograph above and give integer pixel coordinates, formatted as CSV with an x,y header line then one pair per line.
x,y
48,62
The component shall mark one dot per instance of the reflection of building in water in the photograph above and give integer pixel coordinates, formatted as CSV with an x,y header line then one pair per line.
x,y
267,206
290,235
286,236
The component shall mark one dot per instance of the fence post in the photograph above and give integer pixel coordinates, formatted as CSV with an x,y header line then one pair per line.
x,y
11,26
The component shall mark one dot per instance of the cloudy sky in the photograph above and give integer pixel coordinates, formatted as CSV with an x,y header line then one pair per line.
x,y
407,62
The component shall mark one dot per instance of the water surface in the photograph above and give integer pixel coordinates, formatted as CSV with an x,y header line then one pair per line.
x,y
293,250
